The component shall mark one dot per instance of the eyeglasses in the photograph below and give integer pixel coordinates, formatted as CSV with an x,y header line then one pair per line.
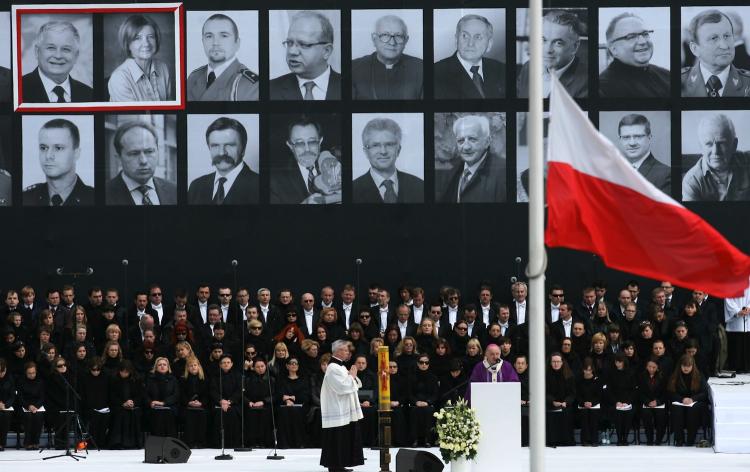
x,y
288,44
558,295
156,294
386,37
645,34
461,328
293,363
257,328
423,362
453,298
59,366
301,145
225,294
390,146
364,317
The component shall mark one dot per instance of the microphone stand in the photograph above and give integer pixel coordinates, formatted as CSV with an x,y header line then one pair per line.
x,y
242,447
357,264
223,456
274,456
126,341
68,421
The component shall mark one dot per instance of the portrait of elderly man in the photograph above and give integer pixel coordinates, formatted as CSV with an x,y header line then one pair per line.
x,y
308,45
59,151
383,182
233,183
136,145
388,73
631,74
479,176
56,48
711,40
562,31
634,140
468,74
722,173
224,78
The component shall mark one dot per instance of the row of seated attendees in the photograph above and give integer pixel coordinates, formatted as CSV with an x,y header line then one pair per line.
x,y
160,366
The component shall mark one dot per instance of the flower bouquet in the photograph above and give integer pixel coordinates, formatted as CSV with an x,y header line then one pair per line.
x,y
458,432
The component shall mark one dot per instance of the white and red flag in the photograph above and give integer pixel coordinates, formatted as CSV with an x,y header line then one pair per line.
x,y
597,202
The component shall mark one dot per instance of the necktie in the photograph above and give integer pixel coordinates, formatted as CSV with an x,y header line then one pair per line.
x,y
308,90
390,194
211,78
219,197
713,86
311,178
56,200
464,180
60,92
144,191
477,79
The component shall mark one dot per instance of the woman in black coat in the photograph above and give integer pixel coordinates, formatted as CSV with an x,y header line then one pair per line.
x,y
687,387
589,398
399,405
94,390
293,398
194,403
560,399
31,399
126,400
260,339
226,399
406,355
440,361
652,396
7,400
59,400
621,397
313,416
258,424
423,399
162,399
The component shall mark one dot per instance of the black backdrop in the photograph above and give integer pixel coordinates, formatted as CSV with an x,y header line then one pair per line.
x,y
305,247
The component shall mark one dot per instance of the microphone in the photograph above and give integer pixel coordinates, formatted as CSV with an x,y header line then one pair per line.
x,y
59,271
89,270
358,261
235,263
124,262
513,280
518,260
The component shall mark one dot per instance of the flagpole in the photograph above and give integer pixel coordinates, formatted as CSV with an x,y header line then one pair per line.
x,y
537,257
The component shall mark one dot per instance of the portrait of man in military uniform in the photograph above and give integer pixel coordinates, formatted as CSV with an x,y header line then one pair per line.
x,y
56,146
225,78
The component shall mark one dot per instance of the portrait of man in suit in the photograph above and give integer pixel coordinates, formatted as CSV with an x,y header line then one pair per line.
x,y
383,182
224,78
56,48
562,31
308,46
634,132
58,153
310,173
479,175
232,183
468,73
136,147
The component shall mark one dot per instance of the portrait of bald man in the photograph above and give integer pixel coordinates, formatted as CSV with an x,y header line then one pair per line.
x,y
388,73
308,46
57,48
630,43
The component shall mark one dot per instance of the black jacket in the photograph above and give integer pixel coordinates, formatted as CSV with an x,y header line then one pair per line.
x,y
163,388
423,386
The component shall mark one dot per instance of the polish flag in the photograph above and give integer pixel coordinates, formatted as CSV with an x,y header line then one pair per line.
x,y
599,203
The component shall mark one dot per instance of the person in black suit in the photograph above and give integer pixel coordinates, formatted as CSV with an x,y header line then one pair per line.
x,y
383,183
300,179
309,45
6,84
136,144
480,177
56,50
233,183
59,150
467,74
634,132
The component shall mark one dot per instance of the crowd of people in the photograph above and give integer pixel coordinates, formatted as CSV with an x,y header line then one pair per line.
x,y
190,366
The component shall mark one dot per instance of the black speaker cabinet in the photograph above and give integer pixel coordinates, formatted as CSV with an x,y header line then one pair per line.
x,y
409,460
160,449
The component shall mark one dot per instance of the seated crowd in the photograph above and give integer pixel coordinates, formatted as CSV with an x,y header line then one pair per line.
x,y
178,368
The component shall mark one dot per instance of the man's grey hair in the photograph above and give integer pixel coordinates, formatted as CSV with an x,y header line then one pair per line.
x,y
57,25
481,120
381,124
719,120
394,18
339,344
487,24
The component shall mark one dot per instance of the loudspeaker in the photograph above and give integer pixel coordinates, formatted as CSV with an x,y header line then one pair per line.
x,y
160,449
409,460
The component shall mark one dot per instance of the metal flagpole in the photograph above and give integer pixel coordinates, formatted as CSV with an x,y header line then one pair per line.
x,y
537,257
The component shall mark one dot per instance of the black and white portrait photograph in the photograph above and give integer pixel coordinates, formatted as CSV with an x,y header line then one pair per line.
x,y
388,158
6,80
58,160
715,61
222,56
634,52
223,163
522,155
470,157
304,54
387,53
643,138
715,156
6,197
141,159
140,57
306,159
565,50
57,60
469,53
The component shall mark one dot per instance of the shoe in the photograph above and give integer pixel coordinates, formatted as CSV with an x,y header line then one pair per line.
x,y
427,444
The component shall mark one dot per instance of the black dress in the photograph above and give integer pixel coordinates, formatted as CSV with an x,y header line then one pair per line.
x,y
684,417
194,419
559,419
125,430
399,393
653,419
95,395
369,392
162,420
589,390
621,388
226,386
8,398
258,424
423,386
292,418
31,392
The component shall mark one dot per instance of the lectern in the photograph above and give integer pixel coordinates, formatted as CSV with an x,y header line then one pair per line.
x,y
498,407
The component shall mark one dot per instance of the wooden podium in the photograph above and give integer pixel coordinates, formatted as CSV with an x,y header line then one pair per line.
x,y
498,408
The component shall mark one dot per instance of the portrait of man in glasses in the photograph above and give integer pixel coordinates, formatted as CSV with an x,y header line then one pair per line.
x,y
309,44
630,46
387,73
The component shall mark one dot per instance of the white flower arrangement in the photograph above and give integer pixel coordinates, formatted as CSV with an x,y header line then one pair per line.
x,y
458,432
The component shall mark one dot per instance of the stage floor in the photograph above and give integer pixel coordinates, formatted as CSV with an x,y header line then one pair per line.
x,y
573,459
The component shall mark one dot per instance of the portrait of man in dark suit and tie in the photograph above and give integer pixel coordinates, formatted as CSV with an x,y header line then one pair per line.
x,y
232,182
137,151
383,182
57,49
307,168
308,47
469,73
478,176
